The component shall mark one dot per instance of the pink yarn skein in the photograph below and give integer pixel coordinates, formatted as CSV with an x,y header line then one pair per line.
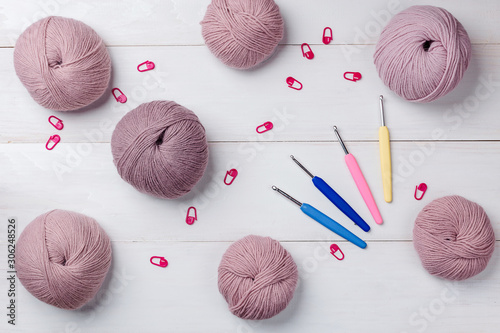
x,y
62,258
242,33
454,238
160,148
257,277
422,53
63,63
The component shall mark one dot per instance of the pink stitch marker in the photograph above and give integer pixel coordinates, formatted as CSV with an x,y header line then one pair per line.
x,y
52,142
148,64
161,263
58,124
422,187
306,51
231,173
190,219
352,76
293,83
327,35
334,248
267,126
120,98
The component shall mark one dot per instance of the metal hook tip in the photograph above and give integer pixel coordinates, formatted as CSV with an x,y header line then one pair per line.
x,y
334,127
274,188
381,97
292,157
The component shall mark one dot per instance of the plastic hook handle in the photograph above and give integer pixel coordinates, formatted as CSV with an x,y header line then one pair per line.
x,y
385,161
363,187
341,204
334,226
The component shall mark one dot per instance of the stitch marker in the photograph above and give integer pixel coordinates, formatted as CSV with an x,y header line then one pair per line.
x,y
190,219
293,83
232,175
422,187
120,98
52,142
162,262
58,123
148,64
306,51
334,248
352,76
267,126
327,35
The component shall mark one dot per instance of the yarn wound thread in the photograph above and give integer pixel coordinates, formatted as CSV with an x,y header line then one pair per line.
x,y
63,63
160,148
454,238
422,53
257,277
62,258
242,33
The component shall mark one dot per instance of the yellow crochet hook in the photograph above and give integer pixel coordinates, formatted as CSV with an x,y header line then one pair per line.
x,y
385,154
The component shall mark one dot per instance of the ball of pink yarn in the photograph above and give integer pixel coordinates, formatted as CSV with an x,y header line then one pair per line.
x,y
242,33
454,238
257,277
160,148
62,258
422,53
63,63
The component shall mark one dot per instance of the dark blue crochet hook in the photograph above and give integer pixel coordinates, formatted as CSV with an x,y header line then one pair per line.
x,y
336,199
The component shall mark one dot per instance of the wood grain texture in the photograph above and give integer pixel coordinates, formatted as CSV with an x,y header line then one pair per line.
x,y
451,144
380,289
176,22
231,104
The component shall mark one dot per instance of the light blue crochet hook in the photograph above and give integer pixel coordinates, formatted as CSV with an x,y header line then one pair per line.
x,y
324,220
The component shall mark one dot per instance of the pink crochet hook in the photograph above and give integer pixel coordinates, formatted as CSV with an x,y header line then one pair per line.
x,y
360,181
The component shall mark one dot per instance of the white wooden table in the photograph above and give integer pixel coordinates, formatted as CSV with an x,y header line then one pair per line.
x,y
451,144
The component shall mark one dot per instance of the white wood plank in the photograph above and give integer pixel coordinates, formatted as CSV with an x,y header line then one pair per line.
x,y
176,22
378,290
82,177
232,103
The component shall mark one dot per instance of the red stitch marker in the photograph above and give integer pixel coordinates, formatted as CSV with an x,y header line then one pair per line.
x,y
190,219
54,139
58,124
353,76
162,262
267,126
306,51
148,64
294,84
334,248
121,98
231,173
422,187
327,35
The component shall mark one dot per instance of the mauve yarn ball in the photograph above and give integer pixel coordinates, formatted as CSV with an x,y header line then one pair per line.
x,y
63,63
160,148
62,258
422,53
454,238
257,277
242,33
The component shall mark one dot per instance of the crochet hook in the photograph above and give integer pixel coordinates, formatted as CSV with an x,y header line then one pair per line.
x,y
335,198
360,180
324,220
385,154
